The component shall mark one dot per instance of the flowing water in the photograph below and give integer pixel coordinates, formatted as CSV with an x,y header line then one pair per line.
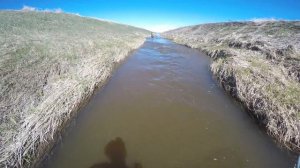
x,y
168,112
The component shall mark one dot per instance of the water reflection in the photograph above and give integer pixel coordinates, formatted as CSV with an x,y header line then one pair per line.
x,y
170,113
116,152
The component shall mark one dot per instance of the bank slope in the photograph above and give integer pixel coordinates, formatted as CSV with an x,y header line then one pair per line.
x,y
259,64
50,64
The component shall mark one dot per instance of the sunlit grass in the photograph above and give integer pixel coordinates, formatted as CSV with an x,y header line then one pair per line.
x,y
49,65
260,67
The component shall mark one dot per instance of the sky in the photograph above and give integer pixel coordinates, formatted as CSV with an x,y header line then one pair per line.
x,y
162,15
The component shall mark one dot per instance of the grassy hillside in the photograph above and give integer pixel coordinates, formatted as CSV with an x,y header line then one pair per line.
x,y
49,65
259,64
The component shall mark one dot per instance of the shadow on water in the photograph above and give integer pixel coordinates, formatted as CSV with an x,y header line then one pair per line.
x,y
116,152
164,102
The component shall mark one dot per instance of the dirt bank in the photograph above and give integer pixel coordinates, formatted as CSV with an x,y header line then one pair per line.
x,y
50,64
259,64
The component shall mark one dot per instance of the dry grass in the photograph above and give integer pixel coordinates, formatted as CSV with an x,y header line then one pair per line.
x,y
259,64
49,65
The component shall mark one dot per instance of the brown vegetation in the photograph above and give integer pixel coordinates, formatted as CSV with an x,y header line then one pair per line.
x,y
50,64
259,64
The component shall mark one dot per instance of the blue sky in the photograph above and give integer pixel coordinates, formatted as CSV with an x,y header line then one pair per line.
x,y
160,15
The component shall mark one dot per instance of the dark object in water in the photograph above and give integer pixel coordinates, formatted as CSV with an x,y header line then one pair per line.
x,y
115,150
152,35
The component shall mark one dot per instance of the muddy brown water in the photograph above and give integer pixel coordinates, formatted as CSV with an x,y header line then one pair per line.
x,y
167,112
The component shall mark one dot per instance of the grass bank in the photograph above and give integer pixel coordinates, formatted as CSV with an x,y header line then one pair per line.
x,y
258,63
50,64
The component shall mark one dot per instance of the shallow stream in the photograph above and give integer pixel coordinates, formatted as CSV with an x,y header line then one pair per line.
x,y
168,112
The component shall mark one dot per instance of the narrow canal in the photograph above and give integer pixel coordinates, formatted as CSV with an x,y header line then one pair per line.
x,y
163,109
